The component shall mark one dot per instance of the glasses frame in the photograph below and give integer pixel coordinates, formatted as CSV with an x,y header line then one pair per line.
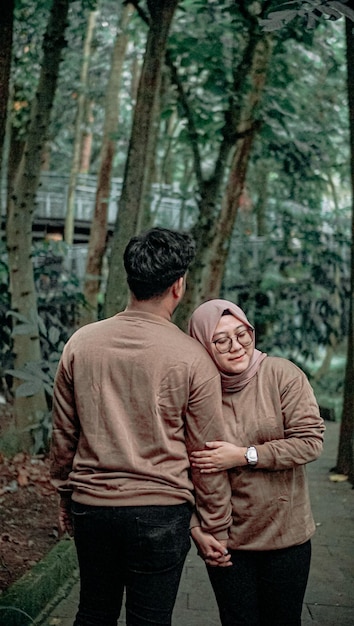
x,y
236,336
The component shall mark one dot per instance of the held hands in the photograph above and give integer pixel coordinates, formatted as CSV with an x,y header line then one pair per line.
x,y
212,551
219,456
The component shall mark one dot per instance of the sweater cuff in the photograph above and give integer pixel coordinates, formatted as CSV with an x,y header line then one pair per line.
x,y
194,521
222,535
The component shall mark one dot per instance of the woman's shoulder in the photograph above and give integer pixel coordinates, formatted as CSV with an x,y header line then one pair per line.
x,y
281,365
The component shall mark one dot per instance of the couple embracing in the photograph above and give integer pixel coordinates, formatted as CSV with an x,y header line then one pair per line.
x,y
159,435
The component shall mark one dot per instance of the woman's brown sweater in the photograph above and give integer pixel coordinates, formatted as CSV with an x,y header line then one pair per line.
x,y
277,413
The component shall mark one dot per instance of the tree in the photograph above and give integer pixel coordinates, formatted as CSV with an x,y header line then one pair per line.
x,y
219,203
98,230
139,151
216,219
345,457
81,101
312,14
29,26
6,30
19,223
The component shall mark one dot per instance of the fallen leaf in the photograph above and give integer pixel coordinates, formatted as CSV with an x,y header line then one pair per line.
x,y
338,478
22,477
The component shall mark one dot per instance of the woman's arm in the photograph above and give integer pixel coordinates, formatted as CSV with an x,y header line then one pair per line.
x,y
300,422
218,456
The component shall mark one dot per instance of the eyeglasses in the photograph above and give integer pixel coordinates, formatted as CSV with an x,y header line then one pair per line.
x,y
224,344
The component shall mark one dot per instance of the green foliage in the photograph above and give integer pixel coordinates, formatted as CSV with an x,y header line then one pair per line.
x,y
294,283
302,146
65,104
329,387
30,20
59,299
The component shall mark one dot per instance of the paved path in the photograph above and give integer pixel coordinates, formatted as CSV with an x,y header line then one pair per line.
x,y
329,599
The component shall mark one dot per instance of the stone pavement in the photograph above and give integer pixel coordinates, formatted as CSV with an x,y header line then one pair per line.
x,y
329,599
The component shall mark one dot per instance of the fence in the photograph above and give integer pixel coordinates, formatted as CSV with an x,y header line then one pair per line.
x,y
167,203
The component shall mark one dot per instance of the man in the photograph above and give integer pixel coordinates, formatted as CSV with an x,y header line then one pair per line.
x,y
133,397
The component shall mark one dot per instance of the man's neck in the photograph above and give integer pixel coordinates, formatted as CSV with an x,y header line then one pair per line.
x,y
160,307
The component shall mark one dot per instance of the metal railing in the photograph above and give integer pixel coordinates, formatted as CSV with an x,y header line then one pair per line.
x,y
167,204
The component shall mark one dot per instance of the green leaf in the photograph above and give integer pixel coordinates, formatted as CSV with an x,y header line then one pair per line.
x,y
28,389
21,374
24,329
54,335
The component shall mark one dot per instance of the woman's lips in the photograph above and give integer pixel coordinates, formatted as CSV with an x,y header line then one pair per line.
x,y
238,358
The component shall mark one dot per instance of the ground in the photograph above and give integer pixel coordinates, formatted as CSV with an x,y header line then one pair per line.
x,y
28,514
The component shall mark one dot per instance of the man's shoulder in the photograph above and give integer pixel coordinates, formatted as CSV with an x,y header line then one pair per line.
x,y
90,329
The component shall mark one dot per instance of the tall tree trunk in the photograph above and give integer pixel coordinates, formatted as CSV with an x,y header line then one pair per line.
x,y
16,149
261,204
6,31
75,165
20,218
136,170
345,448
214,228
146,217
87,137
98,232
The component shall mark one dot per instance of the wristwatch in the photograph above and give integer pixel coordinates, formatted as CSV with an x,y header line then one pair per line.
x,y
251,455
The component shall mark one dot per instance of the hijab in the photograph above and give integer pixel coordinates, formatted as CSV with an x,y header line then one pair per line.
x,y
202,325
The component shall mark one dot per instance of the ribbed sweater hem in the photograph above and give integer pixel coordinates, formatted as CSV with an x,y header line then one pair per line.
x,y
131,499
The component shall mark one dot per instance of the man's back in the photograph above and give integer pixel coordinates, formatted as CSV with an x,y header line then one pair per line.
x,y
133,396
144,392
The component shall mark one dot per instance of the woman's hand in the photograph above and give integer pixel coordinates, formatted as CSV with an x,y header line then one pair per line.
x,y
219,456
212,551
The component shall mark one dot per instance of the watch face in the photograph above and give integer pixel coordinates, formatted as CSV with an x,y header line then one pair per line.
x,y
252,456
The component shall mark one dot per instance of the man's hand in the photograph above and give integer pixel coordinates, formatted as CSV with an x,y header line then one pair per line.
x,y
219,456
65,518
212,551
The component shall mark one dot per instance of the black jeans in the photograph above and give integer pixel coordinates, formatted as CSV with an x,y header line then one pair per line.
x,y
140,549
262,588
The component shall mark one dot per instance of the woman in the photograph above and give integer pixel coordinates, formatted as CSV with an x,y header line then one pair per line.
x,y
273,429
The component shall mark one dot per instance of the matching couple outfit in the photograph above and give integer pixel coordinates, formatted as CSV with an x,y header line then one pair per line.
x,y
134,396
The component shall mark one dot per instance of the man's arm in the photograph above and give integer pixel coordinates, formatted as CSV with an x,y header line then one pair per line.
x,y
204,422
64,443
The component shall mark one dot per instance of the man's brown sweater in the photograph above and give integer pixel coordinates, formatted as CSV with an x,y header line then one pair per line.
x,y
133,396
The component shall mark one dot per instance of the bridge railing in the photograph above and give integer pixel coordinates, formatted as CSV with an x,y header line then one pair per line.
x,y
168,205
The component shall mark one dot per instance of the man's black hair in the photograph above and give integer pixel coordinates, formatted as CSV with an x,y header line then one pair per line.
x,y
154,260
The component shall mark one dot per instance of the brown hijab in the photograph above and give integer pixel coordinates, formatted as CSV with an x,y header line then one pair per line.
x,y
202,326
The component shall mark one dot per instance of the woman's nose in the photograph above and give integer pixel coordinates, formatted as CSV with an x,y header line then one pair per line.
x,y
235,344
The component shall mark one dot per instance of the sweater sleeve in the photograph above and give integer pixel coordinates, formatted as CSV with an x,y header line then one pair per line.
x,y
303,427
204,422
65,431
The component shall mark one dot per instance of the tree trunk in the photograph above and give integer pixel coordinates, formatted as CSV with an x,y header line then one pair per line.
x,y
87,137
213,229
16,149
98,232
136,170
20,219
262,188
146,217
6,30
75,165
345,447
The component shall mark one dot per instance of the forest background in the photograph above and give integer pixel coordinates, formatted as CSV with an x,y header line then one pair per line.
x,y
234,120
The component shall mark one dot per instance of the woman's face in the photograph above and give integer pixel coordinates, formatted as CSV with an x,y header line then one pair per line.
x,y
238,358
